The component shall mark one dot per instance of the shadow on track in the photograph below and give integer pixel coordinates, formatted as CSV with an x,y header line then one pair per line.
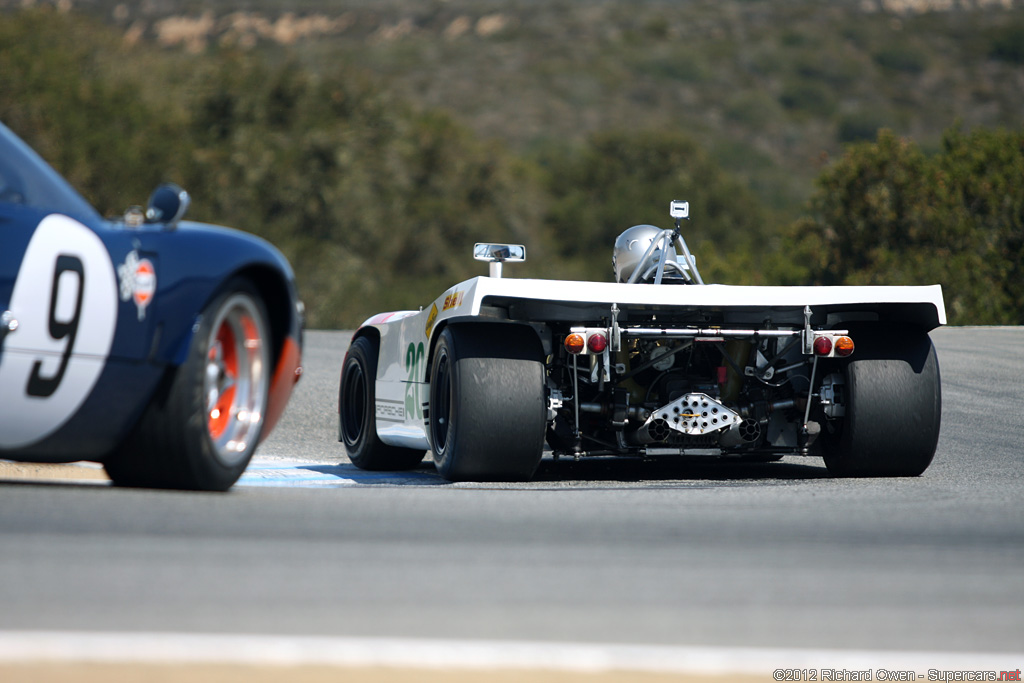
x,y
672,469
600,471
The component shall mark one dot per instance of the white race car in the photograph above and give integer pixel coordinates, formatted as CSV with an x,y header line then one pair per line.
x,y
655,363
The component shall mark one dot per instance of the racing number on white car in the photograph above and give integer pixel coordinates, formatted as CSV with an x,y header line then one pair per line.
x,y
413,361
65,302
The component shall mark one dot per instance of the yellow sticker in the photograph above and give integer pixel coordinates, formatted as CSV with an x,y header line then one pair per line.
x,y
431,318
452,300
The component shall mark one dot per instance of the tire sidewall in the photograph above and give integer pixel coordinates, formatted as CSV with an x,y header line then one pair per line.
x,y
444,367
358,356
367,451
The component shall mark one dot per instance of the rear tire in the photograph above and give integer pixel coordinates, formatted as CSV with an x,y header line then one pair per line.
x,y
488,408
200,430
893,407
357,427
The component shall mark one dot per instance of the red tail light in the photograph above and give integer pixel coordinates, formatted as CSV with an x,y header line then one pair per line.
x,y
822,346
597,342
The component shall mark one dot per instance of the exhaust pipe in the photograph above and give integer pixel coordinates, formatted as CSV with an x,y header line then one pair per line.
x,y
747,431
655,431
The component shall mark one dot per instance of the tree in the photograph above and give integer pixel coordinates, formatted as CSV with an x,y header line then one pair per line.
x,y
57,92
623,179
886,213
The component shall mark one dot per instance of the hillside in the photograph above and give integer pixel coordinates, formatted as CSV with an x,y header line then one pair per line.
x,y
773,89
859,142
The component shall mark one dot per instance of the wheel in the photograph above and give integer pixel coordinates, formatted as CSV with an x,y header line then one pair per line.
x,y
893,407
488,408
356,413
202,427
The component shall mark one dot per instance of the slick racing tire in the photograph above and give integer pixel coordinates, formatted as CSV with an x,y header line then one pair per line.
x,y
356,413
202,427
893,407
488,407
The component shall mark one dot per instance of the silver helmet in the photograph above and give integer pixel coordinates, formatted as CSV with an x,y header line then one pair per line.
x,y
630,248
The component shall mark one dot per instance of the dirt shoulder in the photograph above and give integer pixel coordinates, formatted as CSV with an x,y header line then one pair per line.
x,y
29,471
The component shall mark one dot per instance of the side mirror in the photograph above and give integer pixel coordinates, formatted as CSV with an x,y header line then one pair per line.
x,y
167,205
497,254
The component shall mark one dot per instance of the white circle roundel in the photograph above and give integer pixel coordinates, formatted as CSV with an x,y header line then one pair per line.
x,y
65,302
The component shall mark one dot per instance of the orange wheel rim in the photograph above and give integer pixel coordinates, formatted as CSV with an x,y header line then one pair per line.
x,y
236,379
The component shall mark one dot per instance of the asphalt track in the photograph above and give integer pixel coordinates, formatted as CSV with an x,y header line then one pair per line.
x,y
715,567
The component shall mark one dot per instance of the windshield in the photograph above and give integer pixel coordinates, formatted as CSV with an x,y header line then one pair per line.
x,y
28,180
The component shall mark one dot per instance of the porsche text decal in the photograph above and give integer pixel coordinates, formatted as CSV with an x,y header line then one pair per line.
x,y
390,411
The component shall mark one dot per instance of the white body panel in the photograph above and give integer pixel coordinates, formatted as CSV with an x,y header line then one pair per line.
x,y
406,337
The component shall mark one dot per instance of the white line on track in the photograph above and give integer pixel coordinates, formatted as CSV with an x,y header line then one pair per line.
x,y
264,650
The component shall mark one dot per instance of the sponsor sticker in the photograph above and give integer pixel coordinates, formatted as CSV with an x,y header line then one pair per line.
x,y
392,411
138,281
431,319
452,300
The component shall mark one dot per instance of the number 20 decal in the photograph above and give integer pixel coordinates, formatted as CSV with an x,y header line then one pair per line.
x,y
65,301
413,363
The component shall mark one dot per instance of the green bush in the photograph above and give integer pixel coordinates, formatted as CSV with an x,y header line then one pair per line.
x,y
859,126
808,97
58,95
886,213
368,197
899,56
1008,45
623,179
754,109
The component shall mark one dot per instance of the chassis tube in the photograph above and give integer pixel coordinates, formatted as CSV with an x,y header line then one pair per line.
x,y
663,333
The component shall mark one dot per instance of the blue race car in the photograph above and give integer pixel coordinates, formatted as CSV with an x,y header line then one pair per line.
x,y
165,350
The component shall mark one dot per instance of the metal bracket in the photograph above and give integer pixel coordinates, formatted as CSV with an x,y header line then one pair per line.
x,y
600,368
831,396
616,333
762,369
808,335
554,404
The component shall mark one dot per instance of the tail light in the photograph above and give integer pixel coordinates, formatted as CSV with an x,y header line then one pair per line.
x,y
574,343
822,346
597,342
591,341
844,346
829,345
